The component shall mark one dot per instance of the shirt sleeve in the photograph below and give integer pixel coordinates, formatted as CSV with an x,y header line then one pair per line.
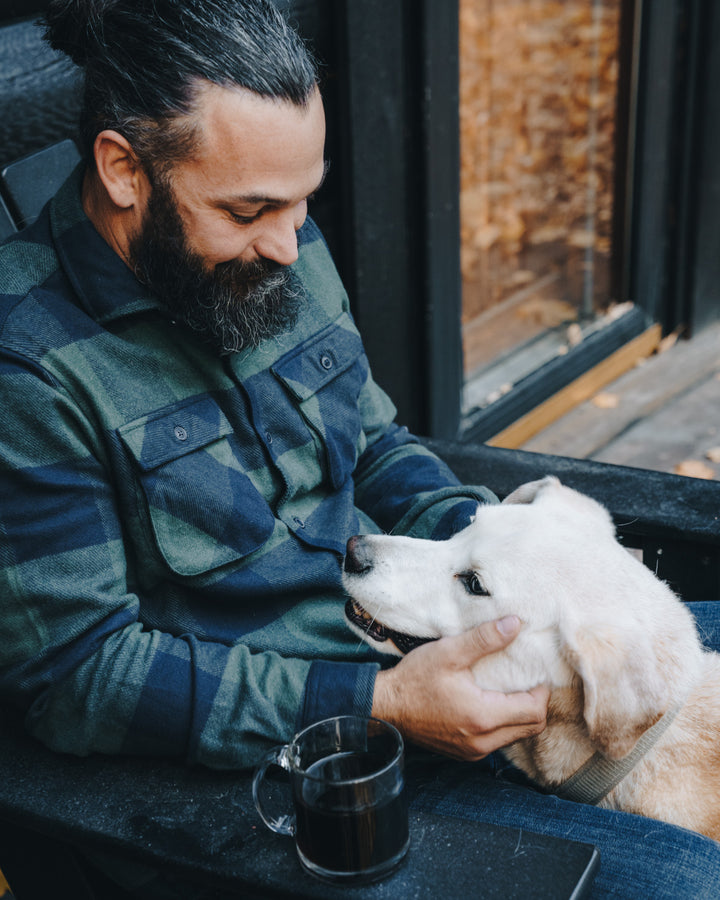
x,y
74,652
404,487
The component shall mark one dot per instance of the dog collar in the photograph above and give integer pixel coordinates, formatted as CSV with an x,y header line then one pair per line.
x,y
599,775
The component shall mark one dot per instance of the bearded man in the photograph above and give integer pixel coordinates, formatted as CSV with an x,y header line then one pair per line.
x,y
192,432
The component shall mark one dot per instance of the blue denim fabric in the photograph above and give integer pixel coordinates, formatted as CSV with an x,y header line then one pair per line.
x,y
640,857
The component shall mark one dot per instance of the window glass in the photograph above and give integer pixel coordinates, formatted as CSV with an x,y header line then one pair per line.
x,y
538,100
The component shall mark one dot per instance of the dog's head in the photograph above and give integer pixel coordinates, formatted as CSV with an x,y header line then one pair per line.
x,y
594,617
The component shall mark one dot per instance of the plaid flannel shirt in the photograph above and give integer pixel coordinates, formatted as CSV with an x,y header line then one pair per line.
x,y
172,521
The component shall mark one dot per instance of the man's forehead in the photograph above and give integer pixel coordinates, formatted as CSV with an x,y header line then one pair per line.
x,y
225,109
254,149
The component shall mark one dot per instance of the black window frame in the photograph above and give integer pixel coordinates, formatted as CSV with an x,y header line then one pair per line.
x,y
395,232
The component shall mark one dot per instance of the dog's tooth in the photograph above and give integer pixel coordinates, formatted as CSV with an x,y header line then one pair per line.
x,y
360,611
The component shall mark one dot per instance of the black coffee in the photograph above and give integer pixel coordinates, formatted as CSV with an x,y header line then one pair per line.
x,y
343,828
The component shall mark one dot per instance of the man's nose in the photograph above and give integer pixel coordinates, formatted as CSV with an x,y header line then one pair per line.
x,y
278,240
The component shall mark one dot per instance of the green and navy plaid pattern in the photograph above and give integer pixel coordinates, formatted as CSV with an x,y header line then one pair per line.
x,y
173,522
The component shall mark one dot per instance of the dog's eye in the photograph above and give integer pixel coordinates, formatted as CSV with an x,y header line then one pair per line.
x,y
474,585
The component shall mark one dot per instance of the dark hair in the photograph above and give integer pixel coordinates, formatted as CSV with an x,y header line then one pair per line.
x,y
145,60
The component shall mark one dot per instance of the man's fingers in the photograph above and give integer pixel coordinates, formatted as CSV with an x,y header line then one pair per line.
x,y
508,718
520,709
432,696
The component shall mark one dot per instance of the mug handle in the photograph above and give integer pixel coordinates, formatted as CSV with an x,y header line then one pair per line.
x,y
282,824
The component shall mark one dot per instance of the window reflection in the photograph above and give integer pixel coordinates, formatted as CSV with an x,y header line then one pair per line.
x,y
538,98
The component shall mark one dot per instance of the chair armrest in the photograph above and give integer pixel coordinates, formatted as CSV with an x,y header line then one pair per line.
x,y
201,825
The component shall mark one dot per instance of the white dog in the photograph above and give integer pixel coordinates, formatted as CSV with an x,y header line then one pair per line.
x,y
634,714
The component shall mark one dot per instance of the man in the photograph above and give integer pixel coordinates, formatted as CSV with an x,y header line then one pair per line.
x,y
191,429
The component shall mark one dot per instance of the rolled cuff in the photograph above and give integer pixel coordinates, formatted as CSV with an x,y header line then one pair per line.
x,y
337,689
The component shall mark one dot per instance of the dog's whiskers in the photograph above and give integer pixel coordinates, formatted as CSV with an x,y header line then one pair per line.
x,y
625,524
371,622
361,642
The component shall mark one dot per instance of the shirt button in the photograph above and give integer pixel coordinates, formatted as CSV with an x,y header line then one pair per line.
x,y
268,437
326,362
298,521
180,433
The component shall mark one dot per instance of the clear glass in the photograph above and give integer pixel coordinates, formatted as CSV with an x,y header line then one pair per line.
x,y
350,820
538,101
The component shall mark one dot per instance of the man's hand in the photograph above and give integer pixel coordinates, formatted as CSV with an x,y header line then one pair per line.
x,y
431,697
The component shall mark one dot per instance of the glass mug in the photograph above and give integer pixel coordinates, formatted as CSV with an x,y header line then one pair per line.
x,y
351,817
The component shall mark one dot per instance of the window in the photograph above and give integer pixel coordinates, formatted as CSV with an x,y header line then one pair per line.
x,y
539,99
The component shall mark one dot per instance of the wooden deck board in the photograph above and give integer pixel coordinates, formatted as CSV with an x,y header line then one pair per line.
x,y
657,416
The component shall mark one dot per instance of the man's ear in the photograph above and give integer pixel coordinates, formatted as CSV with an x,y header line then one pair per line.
x,y
119,169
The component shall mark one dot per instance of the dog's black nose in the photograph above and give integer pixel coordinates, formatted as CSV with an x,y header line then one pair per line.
x,y
358,558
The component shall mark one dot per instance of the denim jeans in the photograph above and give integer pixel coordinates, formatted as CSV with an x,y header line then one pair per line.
x,y
640,857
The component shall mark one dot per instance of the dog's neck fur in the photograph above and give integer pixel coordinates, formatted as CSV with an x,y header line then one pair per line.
x,y
670,778
558,770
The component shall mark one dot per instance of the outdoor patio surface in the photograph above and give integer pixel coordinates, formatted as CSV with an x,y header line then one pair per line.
x,y
663,415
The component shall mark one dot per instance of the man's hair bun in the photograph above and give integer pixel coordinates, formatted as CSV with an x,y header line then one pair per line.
x,y
73,26
144,60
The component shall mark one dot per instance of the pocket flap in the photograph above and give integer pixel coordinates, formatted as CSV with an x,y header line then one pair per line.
x,y
173,432
319,360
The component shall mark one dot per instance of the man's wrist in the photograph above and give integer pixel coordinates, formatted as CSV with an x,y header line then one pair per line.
x,y
384,696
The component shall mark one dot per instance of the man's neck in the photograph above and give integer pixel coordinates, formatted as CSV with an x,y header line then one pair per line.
x,y
112,223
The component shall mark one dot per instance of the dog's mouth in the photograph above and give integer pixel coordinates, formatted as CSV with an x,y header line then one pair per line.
x,y
379,632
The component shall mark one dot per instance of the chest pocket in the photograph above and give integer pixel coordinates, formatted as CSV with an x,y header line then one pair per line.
x,y
204,510
325,376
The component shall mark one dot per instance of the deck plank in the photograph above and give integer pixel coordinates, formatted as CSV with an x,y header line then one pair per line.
x,y
658,415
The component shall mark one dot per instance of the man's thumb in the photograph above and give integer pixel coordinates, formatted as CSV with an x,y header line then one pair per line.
x,y
489,637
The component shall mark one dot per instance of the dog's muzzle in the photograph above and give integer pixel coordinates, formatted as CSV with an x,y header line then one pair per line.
x,y
358,561
379,632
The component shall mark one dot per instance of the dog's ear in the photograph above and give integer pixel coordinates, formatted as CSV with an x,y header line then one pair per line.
x,y
529,492
624,694
565,502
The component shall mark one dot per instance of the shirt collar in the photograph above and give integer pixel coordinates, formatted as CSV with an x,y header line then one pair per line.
x,y
106,287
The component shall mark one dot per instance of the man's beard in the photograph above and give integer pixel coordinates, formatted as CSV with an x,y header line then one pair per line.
x,y
234,305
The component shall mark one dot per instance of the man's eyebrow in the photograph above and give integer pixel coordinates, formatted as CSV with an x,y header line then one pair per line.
x,y
262,199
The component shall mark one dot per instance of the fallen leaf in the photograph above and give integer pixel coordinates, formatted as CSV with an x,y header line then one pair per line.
x,y
522,277
549,234
669,341
574,335
695,468
486,236
582,238
606,401
545,311
618,310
